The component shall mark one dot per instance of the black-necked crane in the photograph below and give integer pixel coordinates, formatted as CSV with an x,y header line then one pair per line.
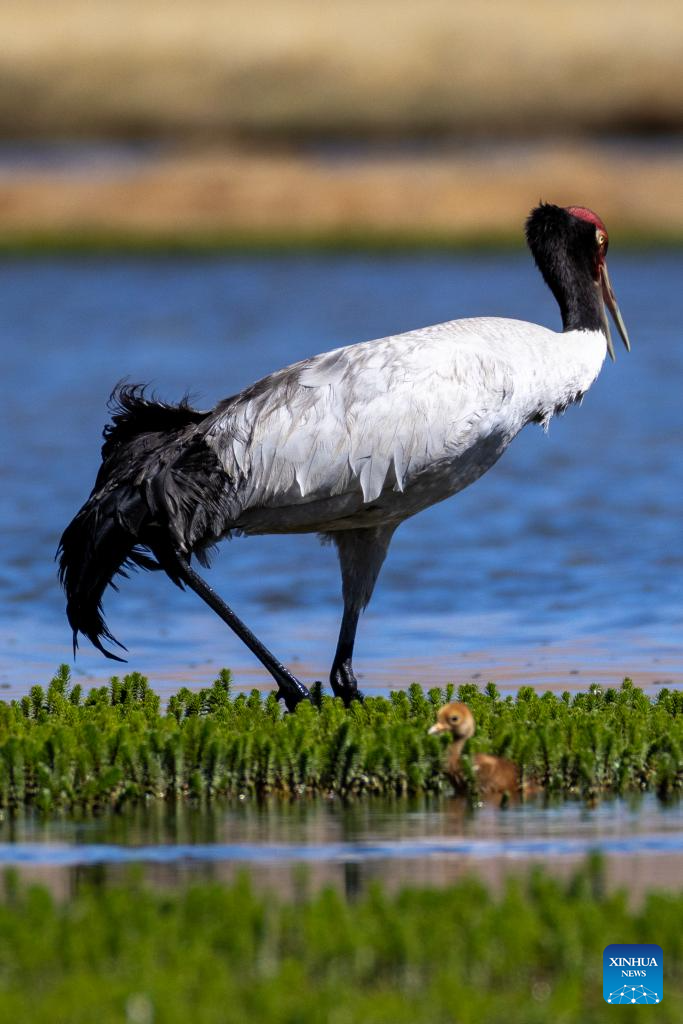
x,y
346,444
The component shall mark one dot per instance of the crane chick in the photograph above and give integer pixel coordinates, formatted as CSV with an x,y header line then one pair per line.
x,y
496,776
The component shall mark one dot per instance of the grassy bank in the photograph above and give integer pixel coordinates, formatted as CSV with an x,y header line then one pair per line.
x,y
225,242
62,749
224,953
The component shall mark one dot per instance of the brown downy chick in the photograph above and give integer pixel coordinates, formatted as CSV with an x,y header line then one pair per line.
x,y
495,775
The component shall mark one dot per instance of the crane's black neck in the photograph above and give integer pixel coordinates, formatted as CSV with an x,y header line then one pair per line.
x,y
565,250
581,306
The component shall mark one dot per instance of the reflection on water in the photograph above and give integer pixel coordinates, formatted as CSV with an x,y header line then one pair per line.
x,y
426,841
561,565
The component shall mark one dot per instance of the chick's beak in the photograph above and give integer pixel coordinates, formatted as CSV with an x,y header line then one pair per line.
x,y
436,729
611,303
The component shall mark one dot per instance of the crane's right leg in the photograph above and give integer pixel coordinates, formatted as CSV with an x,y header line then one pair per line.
x,y
290,689
361,555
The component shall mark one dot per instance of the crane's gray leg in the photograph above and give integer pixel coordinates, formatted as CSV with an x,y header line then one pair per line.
x,y
289,687
361,554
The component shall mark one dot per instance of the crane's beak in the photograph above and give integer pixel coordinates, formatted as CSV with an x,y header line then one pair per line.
x,y
611,303
436,729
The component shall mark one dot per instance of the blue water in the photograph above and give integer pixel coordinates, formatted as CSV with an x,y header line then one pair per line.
x,y
423,841
20,854
562,565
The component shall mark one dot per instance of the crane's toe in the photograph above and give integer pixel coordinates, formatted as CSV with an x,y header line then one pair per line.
x,y
291,691
344,683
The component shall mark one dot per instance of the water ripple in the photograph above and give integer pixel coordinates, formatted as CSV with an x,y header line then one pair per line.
x,y
65,855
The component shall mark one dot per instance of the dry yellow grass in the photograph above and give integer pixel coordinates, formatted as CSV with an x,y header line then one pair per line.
x,y
228,192
221,66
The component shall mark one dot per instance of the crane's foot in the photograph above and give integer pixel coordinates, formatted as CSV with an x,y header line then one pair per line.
x,y
344,683
291,690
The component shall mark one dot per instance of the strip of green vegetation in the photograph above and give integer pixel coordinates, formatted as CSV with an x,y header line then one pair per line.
x,y
225,954
61,749
244,242
222,243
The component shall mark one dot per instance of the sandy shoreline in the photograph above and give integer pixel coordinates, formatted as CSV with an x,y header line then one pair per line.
x,y
635,874
232,197
555,668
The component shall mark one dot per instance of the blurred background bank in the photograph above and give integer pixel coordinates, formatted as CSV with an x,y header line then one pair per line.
x,y
217,123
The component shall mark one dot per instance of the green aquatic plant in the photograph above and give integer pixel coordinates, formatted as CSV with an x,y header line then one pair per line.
x,y
63,748
528,952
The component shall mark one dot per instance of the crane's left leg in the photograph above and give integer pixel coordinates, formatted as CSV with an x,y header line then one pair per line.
x,y
361,554
180,571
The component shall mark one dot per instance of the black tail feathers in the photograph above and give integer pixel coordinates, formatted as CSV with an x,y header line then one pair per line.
x,y
134,414
94,548
116,527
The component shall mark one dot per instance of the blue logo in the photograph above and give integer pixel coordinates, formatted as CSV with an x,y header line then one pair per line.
x,y
632,973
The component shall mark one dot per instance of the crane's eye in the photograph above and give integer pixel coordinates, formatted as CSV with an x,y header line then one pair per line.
x,y
601,239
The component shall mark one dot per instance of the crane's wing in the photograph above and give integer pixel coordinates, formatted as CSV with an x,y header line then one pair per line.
x,y
361,418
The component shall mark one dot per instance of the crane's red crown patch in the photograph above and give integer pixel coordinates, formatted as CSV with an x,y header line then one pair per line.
x,y
583,213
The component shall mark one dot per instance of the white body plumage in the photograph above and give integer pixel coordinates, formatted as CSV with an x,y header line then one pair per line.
x,y
367,435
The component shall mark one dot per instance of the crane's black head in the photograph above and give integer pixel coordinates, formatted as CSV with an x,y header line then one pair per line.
x,y
569,245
